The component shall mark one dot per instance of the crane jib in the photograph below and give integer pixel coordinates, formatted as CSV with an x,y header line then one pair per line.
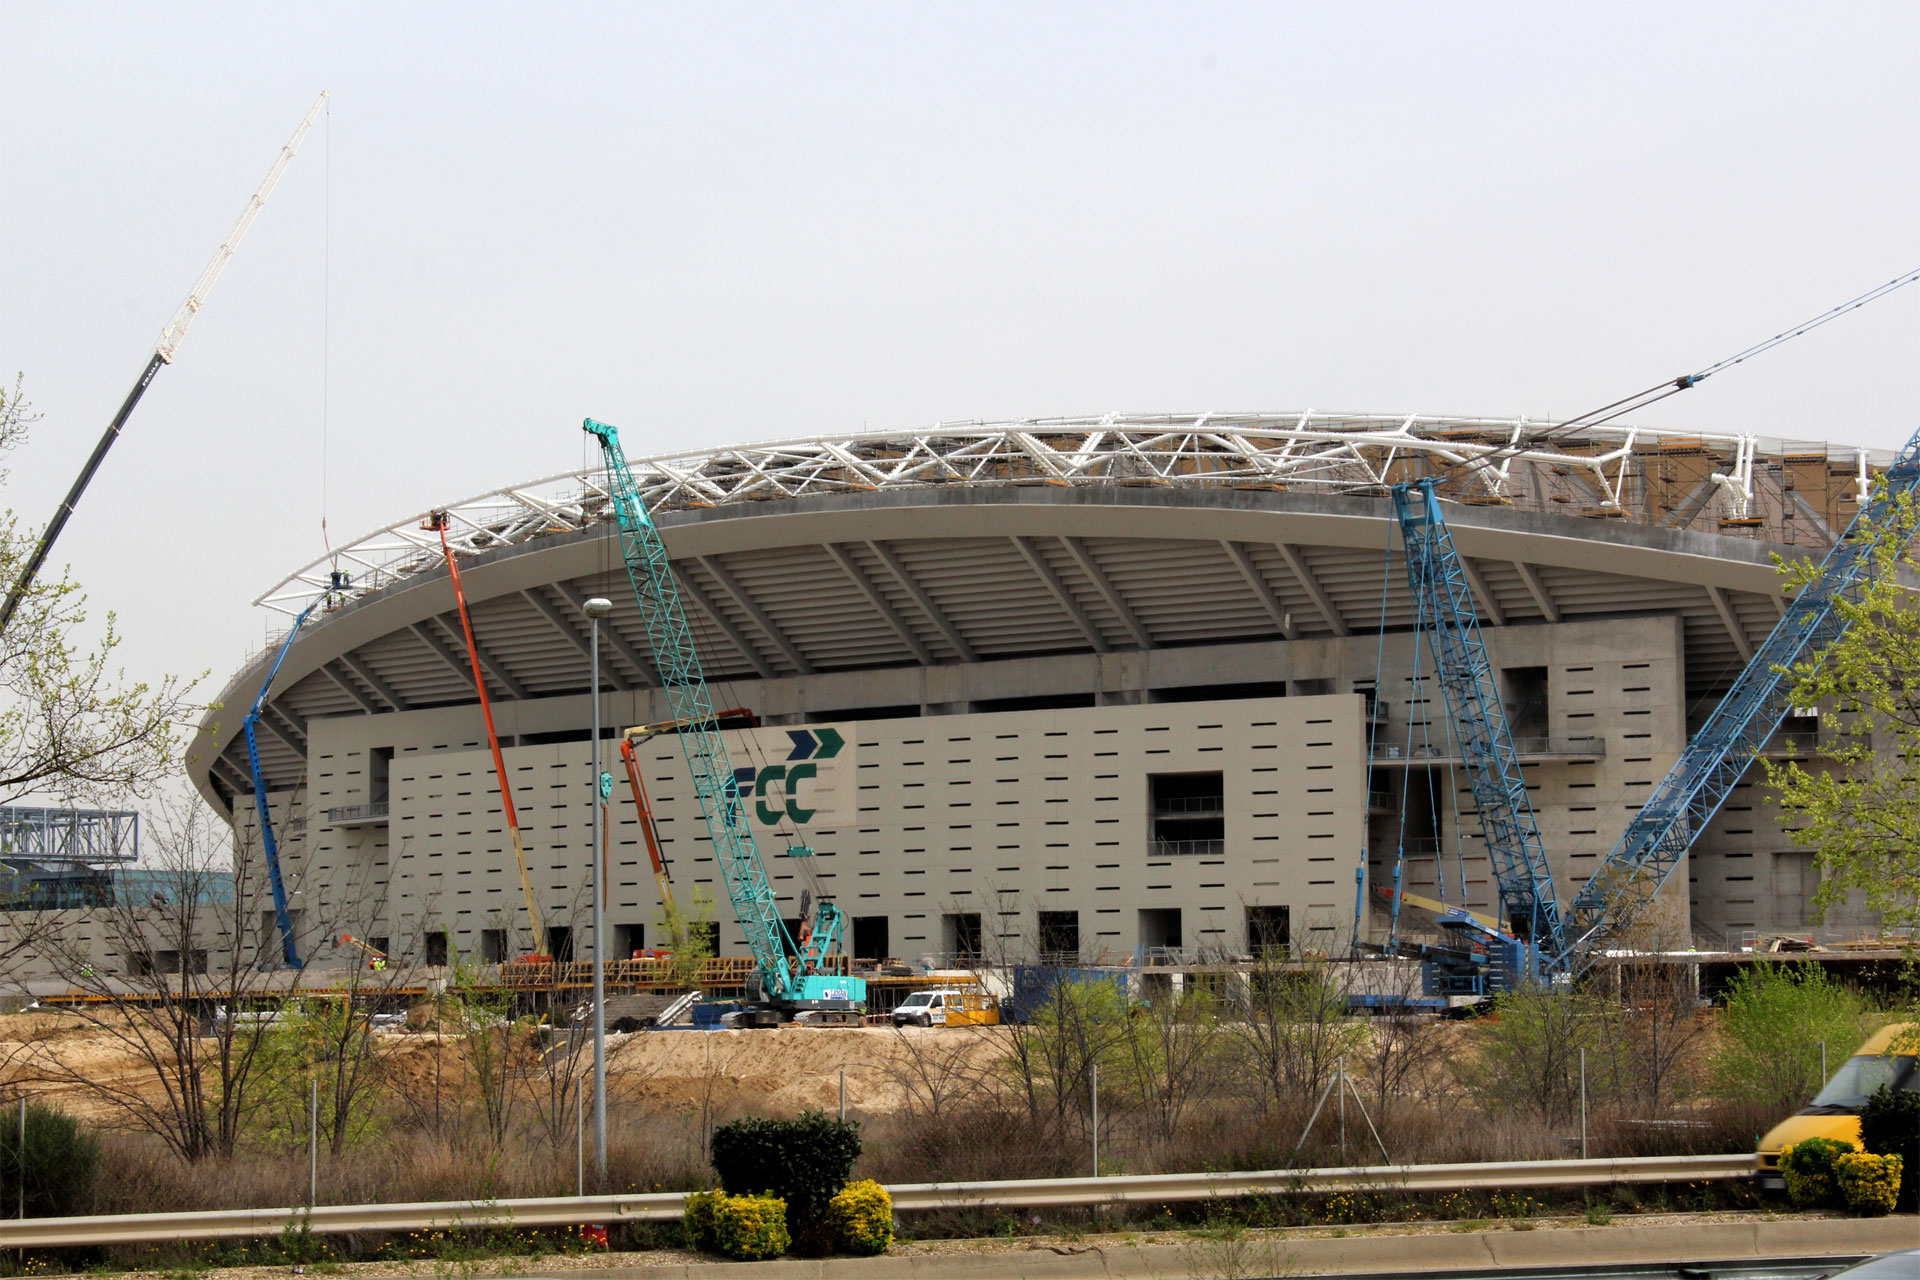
x,y
682,679
1751,711
1442,595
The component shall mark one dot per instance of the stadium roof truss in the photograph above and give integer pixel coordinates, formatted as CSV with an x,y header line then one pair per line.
x,y
1606,472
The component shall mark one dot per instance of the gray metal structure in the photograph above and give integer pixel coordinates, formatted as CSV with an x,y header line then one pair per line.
x,y
69,837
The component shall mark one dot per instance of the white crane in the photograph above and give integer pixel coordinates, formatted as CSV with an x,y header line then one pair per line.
x,y
163,353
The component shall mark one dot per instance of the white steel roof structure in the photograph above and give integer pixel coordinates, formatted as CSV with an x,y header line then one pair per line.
x,y
1606,472
965,545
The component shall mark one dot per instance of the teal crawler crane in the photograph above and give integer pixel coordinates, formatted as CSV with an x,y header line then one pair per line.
x,y
791,979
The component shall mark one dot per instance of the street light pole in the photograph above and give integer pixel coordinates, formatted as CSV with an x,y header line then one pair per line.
x,y
597,608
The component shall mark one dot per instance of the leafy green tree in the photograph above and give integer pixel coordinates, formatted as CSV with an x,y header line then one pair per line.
x,y
1859,805
689,932
325,1042
69,720
1777,1018
1529,1053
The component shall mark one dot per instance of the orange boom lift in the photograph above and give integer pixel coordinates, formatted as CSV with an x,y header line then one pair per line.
x,y
437,522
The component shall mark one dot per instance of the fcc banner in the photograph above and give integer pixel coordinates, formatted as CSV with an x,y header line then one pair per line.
x,y
795,777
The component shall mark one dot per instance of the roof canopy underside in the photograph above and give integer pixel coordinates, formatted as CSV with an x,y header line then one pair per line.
x,y
846,580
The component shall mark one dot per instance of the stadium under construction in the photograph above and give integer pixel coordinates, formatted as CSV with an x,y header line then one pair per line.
x,y
1070,689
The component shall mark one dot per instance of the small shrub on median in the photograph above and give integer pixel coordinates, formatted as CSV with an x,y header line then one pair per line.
x,y
803,1161
59,1164
1869,1184
703,1208
1808,1169
749,1228
861,1218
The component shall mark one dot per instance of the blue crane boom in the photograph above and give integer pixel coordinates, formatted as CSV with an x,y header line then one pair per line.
x,y
795,987
1684,803
282,917
1443,599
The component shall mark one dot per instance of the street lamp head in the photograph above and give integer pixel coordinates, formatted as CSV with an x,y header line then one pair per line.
x,y
598,607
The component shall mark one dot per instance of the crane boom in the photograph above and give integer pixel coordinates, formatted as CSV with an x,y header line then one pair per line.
x,y
1684,803
788,987
437,522
250,728
1437,580
661,880
163,352
630,757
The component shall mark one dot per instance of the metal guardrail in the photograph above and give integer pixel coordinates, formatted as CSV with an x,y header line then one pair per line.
x,y
351,814
1188,806
227,1224
1565,748
1186,848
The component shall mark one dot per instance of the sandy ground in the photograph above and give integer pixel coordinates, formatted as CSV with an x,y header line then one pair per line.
x,y
784,1070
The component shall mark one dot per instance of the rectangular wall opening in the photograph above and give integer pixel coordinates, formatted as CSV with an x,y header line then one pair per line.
x,y
870,938
1186,814
1221,692
560,943
493,946
379,775
629,940
1060,937
1160,928
1268,932
1524,691
434,946
960,936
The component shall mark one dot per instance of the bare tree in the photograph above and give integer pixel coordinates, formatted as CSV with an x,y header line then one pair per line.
x,y
935,1073
187,948
1405,1051
1662,1027
1291,1025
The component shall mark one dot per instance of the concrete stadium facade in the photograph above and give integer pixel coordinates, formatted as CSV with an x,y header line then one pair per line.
x,y
1076,687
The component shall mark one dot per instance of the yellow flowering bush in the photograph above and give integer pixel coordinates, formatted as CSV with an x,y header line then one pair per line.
x,y
749,1228
861,1218
1868,1183
703,1209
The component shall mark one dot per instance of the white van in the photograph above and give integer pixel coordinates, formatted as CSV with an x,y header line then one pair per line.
x,y
925,1008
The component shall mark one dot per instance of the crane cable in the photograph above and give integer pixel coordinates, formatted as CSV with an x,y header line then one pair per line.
x,y
1661,390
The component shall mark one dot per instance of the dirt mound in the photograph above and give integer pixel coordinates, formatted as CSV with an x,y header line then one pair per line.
x,y
791,1069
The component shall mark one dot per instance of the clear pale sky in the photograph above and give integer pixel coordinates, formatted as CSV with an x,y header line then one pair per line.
x,y
712,224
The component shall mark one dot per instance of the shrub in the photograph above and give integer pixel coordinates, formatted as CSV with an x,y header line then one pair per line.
x,y
861,1217
61,1159
1808,1167
1777,1018
804,1162
1890,1126
749,1228
1869,1184
703,1208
